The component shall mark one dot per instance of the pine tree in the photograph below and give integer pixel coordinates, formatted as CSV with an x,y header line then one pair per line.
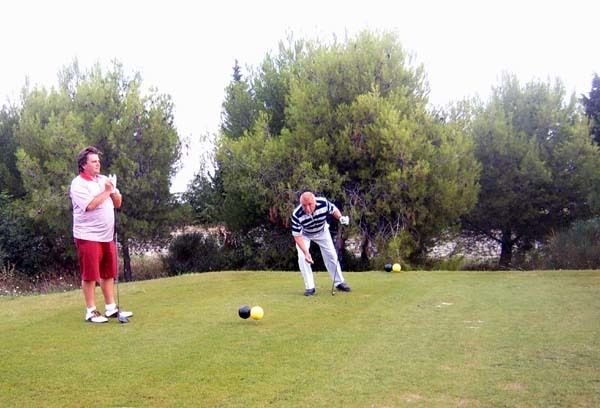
x,y
592,108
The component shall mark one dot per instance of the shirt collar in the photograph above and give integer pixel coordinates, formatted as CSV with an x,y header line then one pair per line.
x,y
86,176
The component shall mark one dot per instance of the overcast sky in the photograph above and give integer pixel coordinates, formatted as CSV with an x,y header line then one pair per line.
x,y
187,48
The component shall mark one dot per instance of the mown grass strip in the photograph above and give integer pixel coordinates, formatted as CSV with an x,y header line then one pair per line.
x,y
424,338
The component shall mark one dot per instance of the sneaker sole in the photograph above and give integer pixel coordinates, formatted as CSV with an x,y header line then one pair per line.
x,y
116,315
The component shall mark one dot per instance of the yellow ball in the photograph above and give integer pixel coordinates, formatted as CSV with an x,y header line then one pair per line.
x,y
396,267
257,313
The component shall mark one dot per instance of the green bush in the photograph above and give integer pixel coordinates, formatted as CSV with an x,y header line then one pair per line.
x,y
147,267
268,249
274,249
198,252
529,259
453,263
399,248
31,246
577,247
260,249
354,263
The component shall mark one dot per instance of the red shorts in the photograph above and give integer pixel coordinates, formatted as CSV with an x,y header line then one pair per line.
x,y
97,260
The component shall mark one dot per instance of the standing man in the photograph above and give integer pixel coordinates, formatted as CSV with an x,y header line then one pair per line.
x,y
309,223
94,199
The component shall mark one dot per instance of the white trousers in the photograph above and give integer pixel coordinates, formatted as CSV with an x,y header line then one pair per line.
x,y
323,239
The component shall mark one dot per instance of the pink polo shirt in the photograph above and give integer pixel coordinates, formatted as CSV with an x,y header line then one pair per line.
x,y
97,224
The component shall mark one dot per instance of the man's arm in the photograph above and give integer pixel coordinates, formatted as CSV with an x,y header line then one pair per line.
x,y
300,242
337,214
108,192
117,199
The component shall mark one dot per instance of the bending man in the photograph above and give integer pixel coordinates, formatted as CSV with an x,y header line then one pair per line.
x,y
309,224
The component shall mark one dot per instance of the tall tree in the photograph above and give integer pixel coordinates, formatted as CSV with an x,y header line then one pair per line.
x,y
240,109
539,168
136,134
273,80
591,104
10,179
355,128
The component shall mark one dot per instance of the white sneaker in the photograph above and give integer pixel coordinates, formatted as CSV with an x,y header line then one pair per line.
x,y
95,317
115,313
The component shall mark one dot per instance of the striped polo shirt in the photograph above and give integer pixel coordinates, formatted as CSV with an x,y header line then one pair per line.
x,y
305,224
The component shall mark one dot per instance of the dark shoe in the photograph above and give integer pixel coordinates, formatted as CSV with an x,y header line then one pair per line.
x,y
344,287
310,292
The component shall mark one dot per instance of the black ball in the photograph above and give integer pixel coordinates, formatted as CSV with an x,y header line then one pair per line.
x,y
388,267
244,312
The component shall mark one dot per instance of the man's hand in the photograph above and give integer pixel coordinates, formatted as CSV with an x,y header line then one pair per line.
x,y
308,258
344,220
108,187
113,180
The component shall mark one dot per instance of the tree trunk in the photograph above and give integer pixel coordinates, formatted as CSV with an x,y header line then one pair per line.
x,y
506,249
365,248
126,262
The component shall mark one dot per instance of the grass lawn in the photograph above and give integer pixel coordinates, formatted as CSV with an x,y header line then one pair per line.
x,y
426,339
